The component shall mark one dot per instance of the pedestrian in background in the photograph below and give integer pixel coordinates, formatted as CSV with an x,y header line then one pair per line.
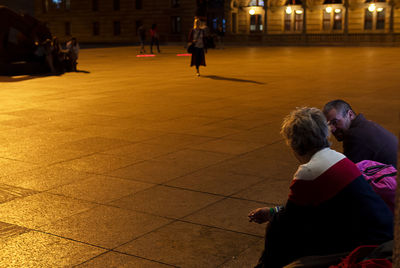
x,y
220,36
197,37
73,51
141,32
154,38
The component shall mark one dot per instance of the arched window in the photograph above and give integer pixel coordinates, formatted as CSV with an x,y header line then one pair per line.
x,y
293,16
256,3
332,17
374,17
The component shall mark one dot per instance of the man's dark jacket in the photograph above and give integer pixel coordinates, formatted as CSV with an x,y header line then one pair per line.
x,y
366,140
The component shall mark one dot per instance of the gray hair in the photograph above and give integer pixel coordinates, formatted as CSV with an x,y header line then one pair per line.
x,y
305,129
339,105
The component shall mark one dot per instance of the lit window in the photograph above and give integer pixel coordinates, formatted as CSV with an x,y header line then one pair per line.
x,y
256,24
256,3
326,19
298,21
293,18
374,18
337,19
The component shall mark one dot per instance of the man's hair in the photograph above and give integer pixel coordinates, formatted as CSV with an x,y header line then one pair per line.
x,y
305,129
339,105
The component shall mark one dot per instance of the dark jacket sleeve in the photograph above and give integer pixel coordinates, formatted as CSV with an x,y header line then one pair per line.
x,y
357,150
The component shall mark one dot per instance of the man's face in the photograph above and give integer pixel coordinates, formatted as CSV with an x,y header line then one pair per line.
x,y
339,123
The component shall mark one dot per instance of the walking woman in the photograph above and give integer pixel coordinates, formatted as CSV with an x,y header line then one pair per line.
x,y
197,38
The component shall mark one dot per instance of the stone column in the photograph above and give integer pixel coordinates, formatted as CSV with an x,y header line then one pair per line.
x,y
265,19
346,17
391,18
304,5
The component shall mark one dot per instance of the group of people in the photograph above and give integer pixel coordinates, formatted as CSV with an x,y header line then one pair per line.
x,y
331,209
154,38
57,58
198,36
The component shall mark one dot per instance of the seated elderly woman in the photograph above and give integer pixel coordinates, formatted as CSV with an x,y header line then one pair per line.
x,y
330,208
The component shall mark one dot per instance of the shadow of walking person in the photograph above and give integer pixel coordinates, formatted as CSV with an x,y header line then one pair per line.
x,y
216,77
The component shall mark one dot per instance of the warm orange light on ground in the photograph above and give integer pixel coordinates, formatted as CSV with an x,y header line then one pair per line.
x,y
146,55
184,55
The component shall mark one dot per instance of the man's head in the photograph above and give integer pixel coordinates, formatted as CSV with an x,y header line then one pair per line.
x,y
305,130
339,115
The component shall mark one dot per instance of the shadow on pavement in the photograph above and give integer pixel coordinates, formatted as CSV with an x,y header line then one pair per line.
x,y
23,77
82,71
216,77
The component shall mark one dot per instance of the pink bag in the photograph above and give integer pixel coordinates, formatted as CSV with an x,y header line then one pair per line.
x,y
355,259
382,178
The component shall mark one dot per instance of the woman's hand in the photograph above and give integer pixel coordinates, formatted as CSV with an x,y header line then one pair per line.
x,y
260,215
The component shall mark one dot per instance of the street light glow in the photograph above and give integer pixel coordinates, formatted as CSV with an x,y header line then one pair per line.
x,y
288,10
252,12
371,8
338,10
328,10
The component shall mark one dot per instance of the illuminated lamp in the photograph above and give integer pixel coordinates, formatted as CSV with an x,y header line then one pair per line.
x,y
371,8
299,11
328,10
288,10
252,12
379,9
338,10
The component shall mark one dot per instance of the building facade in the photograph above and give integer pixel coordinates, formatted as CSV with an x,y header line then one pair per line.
x,y
23,6
244,21
116,21
314,21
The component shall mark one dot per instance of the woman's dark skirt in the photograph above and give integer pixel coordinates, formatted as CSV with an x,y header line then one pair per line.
x,y
198,57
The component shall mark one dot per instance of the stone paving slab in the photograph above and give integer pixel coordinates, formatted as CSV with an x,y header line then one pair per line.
x,y
136,162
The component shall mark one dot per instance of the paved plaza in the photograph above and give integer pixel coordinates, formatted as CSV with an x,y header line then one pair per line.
x,y
136,162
